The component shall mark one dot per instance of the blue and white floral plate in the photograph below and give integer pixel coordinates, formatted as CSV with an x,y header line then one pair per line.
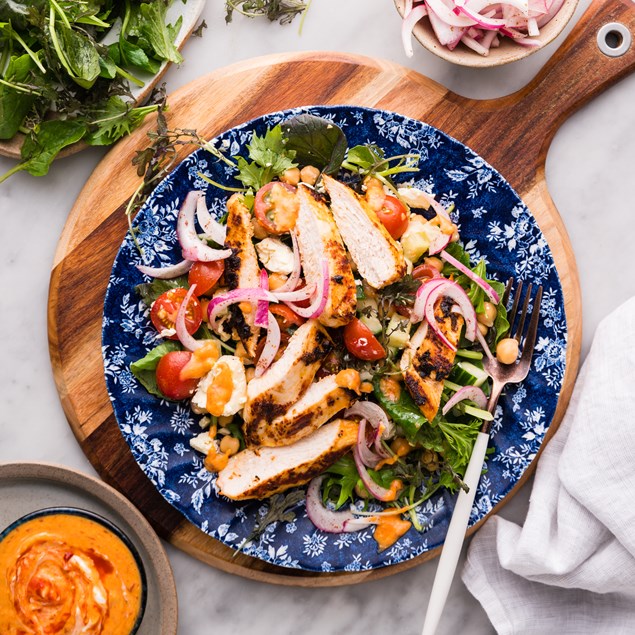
x,y
494,225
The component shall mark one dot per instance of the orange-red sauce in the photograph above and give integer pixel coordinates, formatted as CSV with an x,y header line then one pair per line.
x,y
220,390
63,574
389,529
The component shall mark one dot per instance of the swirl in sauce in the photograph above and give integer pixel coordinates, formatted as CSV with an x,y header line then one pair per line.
x,y
63,574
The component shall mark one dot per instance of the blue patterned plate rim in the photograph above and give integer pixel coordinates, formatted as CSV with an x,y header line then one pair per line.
x,y
494,224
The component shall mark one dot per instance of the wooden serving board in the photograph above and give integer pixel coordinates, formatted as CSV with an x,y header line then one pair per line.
x,y
512,133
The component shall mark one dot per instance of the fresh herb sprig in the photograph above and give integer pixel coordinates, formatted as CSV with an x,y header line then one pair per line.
x,y
282,11
157,160
280,509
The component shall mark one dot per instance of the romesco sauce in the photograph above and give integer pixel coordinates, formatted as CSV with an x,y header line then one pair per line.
x,y
62,573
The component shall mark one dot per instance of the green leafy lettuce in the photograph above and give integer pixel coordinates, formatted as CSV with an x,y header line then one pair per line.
x,y
144,369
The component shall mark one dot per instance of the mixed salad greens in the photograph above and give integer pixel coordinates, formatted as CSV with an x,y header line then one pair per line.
x,y
406,449
66,68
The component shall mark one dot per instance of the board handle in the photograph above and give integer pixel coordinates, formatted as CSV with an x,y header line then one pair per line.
x,y
598,52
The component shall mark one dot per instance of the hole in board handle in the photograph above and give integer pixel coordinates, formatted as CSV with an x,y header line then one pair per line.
x,y
614,39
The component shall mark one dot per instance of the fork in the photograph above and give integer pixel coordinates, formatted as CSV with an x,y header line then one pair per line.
x,y
501,374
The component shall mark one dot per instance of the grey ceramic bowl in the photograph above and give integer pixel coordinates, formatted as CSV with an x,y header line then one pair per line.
x,y
76,511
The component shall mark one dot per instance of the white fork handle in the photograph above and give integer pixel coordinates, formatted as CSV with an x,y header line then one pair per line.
x,y
455,537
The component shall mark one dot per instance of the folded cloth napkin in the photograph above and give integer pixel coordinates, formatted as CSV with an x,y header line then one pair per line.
x,y
571,568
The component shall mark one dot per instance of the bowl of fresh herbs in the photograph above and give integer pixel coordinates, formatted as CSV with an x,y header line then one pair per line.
x,y
75,73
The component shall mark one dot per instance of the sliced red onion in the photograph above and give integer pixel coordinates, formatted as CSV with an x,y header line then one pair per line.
x,y
212,228
367,456
376,416
480,20
295,296
272,344
316,308
470,42
379,492
185,338
489,291
221,302
456,293
481,340
556,5
447,35
294,277
441,240
487,40
421,299
165,273
448,15
470,393
193,247
330,521
469,21
410,20
523,41
262,309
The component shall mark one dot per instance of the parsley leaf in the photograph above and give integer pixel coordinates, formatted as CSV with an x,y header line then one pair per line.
x,y
269,158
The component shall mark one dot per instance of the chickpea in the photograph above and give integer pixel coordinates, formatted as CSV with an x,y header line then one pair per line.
x,y
391,388
309,174
259,231
291,176
482,328
507,351
455,236
375,194
400,446
435,262
250,373
229,445
225,420
366,387
430,460
276,280
489,314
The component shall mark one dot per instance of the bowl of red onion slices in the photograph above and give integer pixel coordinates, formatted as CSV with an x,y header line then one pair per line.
x,y
483,33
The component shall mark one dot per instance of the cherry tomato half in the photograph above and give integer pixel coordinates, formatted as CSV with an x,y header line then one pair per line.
x,y
360,341
166,306
394,215
288,317
205,275
168,375
276,207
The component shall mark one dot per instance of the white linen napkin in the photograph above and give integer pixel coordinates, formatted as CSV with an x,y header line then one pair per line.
x,y
571,568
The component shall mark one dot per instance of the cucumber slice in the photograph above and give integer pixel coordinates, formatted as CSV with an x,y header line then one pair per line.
x,y
367,310
467,374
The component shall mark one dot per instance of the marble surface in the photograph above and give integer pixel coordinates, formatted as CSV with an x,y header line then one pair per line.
x,y
590,176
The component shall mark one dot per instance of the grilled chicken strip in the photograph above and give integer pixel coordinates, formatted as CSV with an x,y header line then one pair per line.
x,y
320,403
271,395
433,360
262,472
241,269
318,238
379,258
